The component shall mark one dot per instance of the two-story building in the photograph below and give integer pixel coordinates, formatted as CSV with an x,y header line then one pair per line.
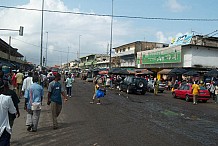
x,y
94,61
187,51
10,56
128,53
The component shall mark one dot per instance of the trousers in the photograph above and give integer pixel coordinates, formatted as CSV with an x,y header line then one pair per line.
x,y
33,118
55,110
5,138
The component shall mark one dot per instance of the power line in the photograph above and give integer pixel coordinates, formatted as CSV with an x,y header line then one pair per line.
x,y
34,45
116,16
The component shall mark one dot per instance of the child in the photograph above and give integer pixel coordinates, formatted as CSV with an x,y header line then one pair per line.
x,y
94,96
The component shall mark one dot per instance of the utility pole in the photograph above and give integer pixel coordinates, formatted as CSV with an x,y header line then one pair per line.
x,y
46,52
111,31
9,49
79,45
41,34
67,58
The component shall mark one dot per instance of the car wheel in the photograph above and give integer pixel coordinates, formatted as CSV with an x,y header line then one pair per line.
x,y
174,94
204,101
141,84
128,90
187,98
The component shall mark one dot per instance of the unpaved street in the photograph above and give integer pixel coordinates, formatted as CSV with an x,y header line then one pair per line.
x,y
123,120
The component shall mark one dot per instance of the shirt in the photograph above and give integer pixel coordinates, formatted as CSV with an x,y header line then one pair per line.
x,y
56,89
69,82
15,100
6,105
26,83
195,89
19,77
34,94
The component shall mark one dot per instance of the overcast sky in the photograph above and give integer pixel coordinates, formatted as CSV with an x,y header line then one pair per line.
x,y
64,29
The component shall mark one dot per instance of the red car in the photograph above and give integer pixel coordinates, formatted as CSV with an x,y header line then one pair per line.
x,y
185,92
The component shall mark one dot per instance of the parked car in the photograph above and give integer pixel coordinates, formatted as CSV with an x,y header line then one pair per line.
x,y
185,92
133,84
161,88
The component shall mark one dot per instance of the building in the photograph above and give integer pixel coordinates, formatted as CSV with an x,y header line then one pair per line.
x,y
94,61
187,51
10,56
128,53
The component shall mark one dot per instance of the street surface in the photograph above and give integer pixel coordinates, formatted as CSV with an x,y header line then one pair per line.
x,y
122,120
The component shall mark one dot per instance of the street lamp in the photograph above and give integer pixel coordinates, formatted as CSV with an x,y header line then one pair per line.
x,y
112,13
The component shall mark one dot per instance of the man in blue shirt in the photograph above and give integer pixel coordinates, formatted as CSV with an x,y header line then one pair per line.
x,y
33,101
55,89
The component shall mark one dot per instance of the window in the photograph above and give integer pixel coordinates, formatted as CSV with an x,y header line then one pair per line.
x,y
186,87
128,48
120,50
124,49
182,87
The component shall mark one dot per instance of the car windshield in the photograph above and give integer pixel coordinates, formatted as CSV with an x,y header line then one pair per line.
x,y
202,88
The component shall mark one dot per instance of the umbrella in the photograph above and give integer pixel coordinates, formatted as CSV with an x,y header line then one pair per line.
x,y
114,70
103,72
191,73
212,73
177,71
143,72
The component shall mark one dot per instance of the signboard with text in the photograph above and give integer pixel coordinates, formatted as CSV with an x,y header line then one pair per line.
x,y
158,56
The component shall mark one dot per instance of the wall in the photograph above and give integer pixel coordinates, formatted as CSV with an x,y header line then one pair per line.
x,y
204,56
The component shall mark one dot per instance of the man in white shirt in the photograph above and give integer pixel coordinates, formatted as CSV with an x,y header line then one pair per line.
x,y
27,82
6,105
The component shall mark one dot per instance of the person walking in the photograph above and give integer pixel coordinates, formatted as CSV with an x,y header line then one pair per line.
x,y
27,82
6,106
15,100
216,93
19,80
55,90
156,86
94,96
195,92
14,81
33,100
69,82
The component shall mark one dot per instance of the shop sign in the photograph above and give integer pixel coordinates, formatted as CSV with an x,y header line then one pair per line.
x,y
158,56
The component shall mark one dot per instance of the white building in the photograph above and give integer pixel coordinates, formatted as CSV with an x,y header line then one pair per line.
x,y
200,52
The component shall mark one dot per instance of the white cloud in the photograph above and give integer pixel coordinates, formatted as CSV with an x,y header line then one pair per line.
x,y
63,31
175,6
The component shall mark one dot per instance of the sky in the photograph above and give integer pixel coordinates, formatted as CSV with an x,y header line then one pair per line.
x,y
69,32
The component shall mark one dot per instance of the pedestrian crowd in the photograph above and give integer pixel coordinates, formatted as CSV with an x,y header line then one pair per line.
x,y
31,88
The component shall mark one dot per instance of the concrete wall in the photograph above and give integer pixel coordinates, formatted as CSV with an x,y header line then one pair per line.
x,y
204,56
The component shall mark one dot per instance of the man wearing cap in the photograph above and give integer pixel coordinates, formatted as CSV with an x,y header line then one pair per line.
x,y
6,105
